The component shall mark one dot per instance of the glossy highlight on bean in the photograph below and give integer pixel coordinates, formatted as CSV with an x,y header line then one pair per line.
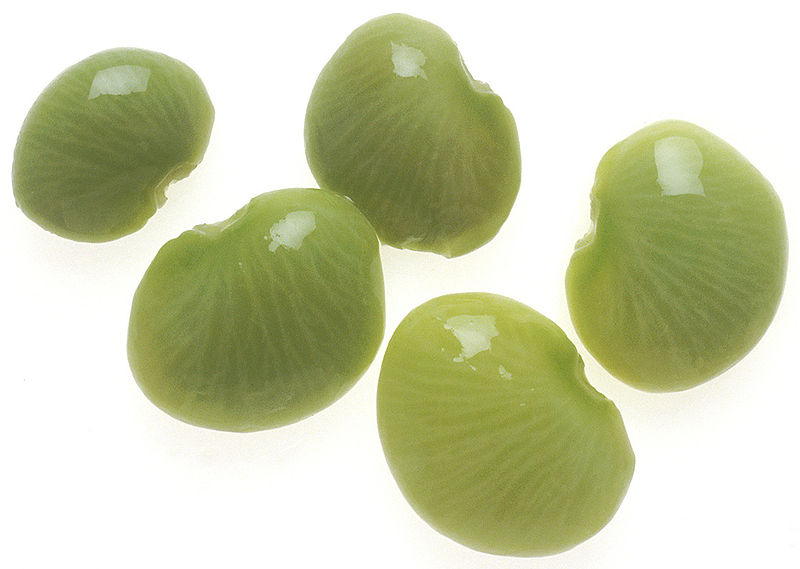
x,y
104,140
262,319
492,431
397,123
685,264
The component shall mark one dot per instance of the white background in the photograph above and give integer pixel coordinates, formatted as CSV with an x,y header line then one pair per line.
x,y
95,475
